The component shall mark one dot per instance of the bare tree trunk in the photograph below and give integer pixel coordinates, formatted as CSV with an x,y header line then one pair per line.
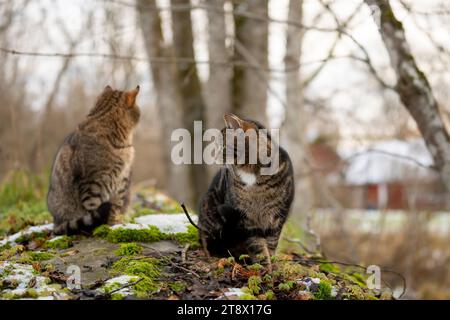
x,y
218,93
190,88
169,99
249,88
413,88
294,125
219,82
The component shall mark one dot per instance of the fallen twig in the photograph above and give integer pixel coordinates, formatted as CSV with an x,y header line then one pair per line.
x,y
188,216
184,253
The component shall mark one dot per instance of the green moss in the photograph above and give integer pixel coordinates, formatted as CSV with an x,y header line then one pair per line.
x,y
150,234
102,231
274,259
270,295
355,278
267,278
148,269
177,286
61,243
255,267
128,249
323,291
329,268
253,284
117,296
284,287
32,256
290,269
287,286
22,201
8,252
244,257
359,279
190,237
231,261
29,293
247,296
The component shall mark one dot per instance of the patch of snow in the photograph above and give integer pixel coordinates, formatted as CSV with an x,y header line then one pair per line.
x,y
167,223
56,238
21,274
315,280
334,292
234,292
308,282
35,229
133,226
117,282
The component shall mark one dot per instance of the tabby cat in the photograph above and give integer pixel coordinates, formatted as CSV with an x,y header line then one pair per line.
x,y
243,211
90,178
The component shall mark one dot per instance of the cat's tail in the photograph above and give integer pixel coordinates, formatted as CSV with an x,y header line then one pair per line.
x,y
85,224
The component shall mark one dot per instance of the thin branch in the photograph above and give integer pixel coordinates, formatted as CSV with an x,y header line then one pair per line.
x,y
335,43
166,60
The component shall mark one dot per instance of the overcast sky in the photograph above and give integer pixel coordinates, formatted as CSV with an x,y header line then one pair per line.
x,y
356,91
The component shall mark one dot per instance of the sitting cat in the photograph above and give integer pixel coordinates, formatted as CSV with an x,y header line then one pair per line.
x,y
244,211
90,178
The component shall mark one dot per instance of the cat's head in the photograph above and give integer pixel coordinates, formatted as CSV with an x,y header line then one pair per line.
x,y
246,142
118,106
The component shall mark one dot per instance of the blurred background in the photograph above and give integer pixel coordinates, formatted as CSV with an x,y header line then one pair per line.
x,y
361,99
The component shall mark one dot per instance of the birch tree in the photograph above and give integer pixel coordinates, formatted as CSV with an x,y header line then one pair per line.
x,y
413,87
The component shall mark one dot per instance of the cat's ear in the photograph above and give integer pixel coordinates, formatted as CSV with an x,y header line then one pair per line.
x,y
107,89
131,96
232,121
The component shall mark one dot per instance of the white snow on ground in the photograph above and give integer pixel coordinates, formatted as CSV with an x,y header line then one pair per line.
x,y
117,282
167,223
234,292
307,282
389,161
21,275
134,226
55,238
35,229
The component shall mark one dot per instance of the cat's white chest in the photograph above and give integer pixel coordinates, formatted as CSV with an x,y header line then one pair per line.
x,y
249,179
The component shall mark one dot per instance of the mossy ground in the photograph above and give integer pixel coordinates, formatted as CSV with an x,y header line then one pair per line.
x,y
150,234
171,276
161,275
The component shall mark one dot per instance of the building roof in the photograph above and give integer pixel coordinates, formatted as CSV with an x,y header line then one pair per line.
x,y
389,161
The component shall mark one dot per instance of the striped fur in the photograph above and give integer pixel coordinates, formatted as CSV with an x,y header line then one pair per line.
x,y
90,178
243,212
